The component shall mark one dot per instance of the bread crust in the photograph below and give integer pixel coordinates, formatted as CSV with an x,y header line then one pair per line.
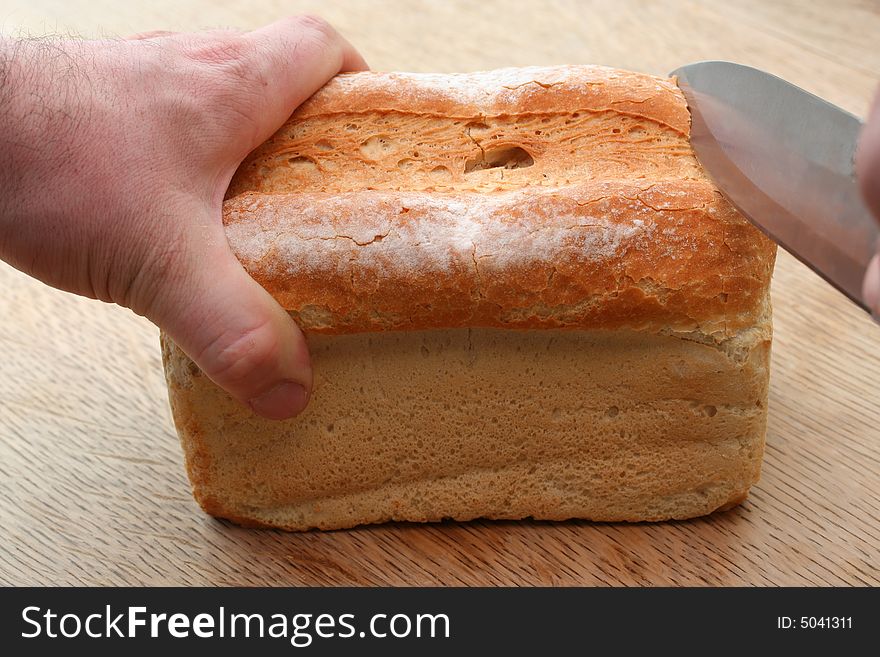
x,y
668,256
526,90
611,225
499,423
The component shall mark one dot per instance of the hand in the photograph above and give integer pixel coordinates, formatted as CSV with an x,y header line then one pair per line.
x,y
114,159
868,172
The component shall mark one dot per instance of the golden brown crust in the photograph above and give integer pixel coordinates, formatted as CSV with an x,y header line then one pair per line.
x,y
505,91
521,198
667,256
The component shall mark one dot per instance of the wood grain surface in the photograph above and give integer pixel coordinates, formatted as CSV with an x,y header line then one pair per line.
x,y
92,487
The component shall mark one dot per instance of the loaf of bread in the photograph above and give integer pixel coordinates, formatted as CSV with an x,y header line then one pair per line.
x,y
522,297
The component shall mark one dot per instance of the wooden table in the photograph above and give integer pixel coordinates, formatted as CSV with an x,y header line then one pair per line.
x,y
92,488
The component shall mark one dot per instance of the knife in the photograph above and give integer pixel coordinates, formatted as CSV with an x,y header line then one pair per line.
x,y
784,158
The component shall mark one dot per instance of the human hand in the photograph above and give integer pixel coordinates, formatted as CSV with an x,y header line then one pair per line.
x,y
115,156
868,172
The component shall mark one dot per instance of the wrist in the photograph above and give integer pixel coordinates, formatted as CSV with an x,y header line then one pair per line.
x,y
43,86
12,134
27,108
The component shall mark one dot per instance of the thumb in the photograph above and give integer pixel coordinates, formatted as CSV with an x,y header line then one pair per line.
x,y
237,333
871,286
868,171
868,158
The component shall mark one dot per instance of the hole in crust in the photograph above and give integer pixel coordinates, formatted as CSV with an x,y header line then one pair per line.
x,y
377,146
710,411
302,164
612,411
503,157
441,173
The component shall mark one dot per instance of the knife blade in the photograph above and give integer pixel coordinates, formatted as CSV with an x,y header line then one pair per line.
x,y
784,158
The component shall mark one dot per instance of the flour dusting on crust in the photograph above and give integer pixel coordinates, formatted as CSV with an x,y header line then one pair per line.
x,y
405,232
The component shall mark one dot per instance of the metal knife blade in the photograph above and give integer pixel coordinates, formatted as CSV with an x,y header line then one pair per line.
x,y
784,158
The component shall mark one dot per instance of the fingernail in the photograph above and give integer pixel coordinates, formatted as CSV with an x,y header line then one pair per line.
x,y
285,400
871,285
